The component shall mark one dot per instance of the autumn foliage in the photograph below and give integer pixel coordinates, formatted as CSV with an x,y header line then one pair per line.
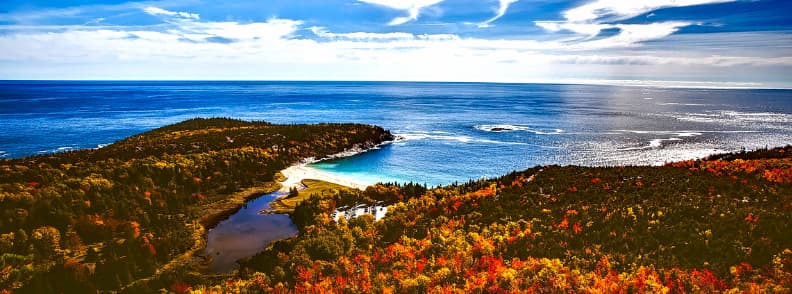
x,y
108,219
680,228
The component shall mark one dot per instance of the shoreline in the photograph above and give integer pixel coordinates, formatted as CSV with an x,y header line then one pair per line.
x,y
296,173
222,210
294,176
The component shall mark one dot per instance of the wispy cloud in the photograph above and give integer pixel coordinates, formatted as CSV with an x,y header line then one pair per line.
x,y
31,16
412,7
616,10
633,34
588,29
35,15
589,20
159,11
502,8
716,61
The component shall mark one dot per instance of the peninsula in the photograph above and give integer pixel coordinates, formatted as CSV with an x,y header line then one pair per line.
x,y
132,215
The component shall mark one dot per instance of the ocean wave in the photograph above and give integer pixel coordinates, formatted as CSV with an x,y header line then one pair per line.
x,y
734,117
516,128
783,116
355,150
682,104
654,157
57,150
658,143
671,133
3,154
653,144
458,138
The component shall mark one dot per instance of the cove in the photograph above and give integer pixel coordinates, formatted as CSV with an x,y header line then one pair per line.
x,y
246,233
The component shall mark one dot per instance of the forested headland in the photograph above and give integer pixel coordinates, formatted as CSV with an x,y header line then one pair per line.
x,y
129,216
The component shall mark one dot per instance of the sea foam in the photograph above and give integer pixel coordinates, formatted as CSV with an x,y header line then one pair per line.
x,y
457,138
682,104
58,150
667,133
657,143
355,150
516,128
735,118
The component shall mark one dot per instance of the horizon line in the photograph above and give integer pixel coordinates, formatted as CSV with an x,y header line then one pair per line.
x,y
584,82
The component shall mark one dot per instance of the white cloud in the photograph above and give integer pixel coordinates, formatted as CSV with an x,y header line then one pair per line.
x,y
439,37
589,20
614,10
649,60
362,36
277,49
412,7
589,29
502,8
159,11
273,29
274,41
629,35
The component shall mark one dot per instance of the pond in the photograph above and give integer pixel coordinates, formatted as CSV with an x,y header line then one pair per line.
x,y
246,233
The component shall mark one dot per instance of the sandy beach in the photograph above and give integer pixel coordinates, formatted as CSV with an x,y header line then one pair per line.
x,y
299,172
295,174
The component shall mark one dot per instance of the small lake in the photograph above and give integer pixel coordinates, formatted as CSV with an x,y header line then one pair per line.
x,y
246,233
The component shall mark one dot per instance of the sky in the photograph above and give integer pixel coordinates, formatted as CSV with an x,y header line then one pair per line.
x,y
718,43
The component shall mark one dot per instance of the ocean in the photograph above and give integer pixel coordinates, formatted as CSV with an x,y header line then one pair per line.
x,y
448,132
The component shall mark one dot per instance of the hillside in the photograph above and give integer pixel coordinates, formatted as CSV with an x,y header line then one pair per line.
x,y
130,215
716,225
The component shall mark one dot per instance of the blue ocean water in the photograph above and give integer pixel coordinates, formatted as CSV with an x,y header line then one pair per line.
x,y
449,131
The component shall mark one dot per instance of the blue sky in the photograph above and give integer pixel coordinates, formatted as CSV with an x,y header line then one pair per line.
x,y
742,43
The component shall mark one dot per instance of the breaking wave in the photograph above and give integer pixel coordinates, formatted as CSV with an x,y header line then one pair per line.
x,y
59,149
457,138
516,128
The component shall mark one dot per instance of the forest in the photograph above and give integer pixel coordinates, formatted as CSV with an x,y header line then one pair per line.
x,y
128,216
717,225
